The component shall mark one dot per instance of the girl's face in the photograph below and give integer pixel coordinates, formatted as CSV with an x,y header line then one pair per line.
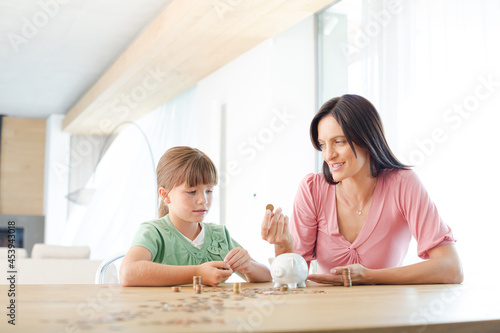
x,y
337,152
189,204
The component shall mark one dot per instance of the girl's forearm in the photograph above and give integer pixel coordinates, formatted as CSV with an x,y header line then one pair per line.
x,y
258,273
147,273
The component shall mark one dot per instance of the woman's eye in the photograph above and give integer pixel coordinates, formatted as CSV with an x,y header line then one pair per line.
x,y
321,146
339,142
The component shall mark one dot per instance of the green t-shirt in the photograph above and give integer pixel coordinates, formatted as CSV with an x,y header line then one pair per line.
x,y
169,247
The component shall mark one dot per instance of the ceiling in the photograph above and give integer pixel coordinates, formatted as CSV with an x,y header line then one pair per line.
x,y
105,62
47,70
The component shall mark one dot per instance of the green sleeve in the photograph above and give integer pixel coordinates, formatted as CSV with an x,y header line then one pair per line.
x,y
149,237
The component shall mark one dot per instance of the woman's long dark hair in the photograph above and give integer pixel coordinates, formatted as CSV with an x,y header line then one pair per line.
x,y
362,125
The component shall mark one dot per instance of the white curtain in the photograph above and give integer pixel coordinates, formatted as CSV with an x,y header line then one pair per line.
x,y
431,67
125,179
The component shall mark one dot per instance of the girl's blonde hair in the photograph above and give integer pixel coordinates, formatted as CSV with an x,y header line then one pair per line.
x,y
183,164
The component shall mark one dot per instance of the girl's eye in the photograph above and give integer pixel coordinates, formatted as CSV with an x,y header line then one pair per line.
x,y
192,192
209,191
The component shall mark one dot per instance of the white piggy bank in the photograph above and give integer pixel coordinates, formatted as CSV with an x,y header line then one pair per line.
x,y
290,269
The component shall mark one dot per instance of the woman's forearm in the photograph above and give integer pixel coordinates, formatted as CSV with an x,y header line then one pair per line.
x,y
437,270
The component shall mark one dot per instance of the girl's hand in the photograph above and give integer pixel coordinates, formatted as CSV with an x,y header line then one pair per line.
x,y
214,272
358,275
239,260
274,230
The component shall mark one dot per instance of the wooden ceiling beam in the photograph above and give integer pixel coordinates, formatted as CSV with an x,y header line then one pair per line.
x,y
189,40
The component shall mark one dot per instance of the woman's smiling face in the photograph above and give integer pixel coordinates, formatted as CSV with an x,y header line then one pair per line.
x,y
337,152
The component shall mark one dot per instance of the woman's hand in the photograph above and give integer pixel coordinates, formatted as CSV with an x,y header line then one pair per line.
x,y
274,230
214,272
359,275
239,260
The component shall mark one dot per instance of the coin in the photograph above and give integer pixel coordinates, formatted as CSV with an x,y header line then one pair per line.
x,y
270,207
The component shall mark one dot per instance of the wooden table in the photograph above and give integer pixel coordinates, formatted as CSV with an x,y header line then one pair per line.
x,y
317,308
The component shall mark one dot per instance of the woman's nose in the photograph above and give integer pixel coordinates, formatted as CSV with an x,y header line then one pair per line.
x,y
329,153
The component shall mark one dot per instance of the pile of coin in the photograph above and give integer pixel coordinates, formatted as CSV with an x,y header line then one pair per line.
x,y
346,277
237,288
197,288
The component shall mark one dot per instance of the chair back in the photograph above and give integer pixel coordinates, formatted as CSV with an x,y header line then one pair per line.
x,y
109,270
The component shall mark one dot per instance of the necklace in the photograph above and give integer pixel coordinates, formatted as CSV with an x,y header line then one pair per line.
x,y
360,210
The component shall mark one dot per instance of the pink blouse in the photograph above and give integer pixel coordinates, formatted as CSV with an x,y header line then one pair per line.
x,y
400,208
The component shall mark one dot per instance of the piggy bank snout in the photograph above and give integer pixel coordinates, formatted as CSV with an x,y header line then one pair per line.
x,y
278,272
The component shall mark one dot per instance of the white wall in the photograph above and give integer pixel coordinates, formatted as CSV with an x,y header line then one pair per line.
x,y
268,95
269,99
57,146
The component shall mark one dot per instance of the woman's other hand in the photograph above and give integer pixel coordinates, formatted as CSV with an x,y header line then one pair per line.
x,y
359,275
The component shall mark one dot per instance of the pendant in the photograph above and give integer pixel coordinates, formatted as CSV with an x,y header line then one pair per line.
x,y
358,212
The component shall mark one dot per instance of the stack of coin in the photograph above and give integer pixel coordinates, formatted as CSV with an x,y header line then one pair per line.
x,y
176,289
198,289
236,288
346,277
270,207
284,287
196,282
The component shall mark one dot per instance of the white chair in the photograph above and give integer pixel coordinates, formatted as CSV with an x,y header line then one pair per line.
x,y
109,270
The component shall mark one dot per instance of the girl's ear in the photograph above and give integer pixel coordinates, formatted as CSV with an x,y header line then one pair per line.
x,y
164,195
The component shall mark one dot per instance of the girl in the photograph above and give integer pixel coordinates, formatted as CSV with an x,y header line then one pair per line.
x,y
177,246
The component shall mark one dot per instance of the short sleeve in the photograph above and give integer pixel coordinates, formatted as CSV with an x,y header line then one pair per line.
x,y
149,237
303,223
422,215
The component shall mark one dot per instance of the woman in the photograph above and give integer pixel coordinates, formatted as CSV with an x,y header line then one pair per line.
x,y
362,211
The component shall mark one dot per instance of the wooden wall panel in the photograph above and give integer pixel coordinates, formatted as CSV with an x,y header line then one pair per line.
x,y
22,166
